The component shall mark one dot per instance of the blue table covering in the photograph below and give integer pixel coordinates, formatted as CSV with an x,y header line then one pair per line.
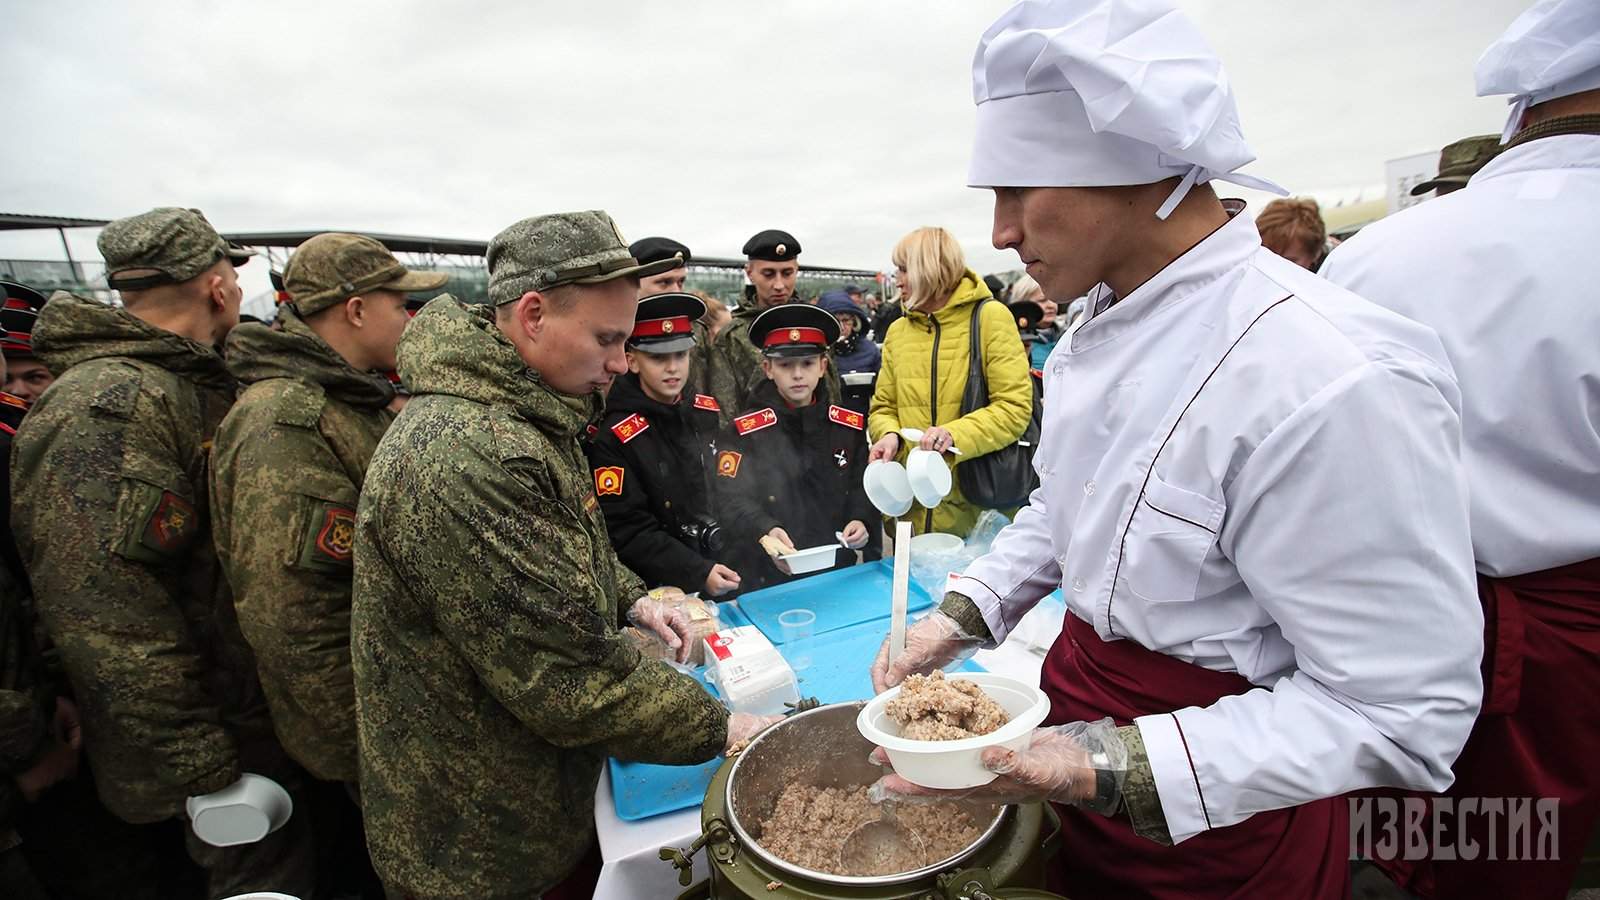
x,y
841,598
839,672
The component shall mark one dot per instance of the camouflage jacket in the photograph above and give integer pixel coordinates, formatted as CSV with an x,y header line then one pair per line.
x,y
110,514
732,367
491,683
23,726
286,469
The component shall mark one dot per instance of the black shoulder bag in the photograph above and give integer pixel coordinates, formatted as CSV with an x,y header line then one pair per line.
x,y
1004,478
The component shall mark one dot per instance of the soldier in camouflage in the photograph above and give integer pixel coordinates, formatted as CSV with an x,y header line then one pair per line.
x,y
287,468
110,513
491,681
732,365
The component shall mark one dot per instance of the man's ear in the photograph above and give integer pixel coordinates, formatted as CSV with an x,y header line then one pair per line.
x,y
217,292
530,314
355,310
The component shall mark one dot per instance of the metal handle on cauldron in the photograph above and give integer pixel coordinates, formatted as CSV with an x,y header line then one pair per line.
x,y
974,884
682,858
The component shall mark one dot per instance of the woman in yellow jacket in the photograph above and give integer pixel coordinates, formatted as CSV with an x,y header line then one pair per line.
x,y
925,363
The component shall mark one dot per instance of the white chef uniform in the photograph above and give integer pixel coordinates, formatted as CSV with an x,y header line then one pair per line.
x,y
1242,466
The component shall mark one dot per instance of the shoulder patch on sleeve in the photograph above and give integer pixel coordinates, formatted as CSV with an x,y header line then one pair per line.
x,y
630,428
706,401
728,463
608,480
753,422
847,417
171,524
330,536
300,405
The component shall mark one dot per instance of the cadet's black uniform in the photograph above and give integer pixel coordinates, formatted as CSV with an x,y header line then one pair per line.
x,y
798,469
652,467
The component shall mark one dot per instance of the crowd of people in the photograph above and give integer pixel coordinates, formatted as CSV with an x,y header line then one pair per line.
x,y
1324,516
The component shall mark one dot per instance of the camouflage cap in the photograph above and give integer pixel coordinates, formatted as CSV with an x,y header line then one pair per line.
x,y
333,267
564,248
172,244
1460,160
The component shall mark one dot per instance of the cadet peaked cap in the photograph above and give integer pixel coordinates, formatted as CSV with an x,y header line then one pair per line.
x,y
772,245
564,248
178,244
665,323
1460,160
794,329
21,310
333,267
655,249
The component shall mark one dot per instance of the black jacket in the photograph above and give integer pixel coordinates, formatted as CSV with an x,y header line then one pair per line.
x,y
652,474
798,469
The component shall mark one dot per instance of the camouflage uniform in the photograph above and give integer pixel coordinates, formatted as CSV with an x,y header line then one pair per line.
x,y
110,513
286,471
491,683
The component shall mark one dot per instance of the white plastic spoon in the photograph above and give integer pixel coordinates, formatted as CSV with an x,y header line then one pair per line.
x,y
914,435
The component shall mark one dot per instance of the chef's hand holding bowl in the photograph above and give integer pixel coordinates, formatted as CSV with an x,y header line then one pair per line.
x,y
1082,764
932,642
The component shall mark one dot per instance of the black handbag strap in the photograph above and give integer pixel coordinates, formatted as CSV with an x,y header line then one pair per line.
x,y
975,369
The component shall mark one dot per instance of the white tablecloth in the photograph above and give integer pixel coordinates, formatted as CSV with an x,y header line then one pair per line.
x,y
633,869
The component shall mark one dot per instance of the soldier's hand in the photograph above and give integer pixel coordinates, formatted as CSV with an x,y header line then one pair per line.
x,y
855,534
58,763
721,580
669,623
66,725
742,727
885,449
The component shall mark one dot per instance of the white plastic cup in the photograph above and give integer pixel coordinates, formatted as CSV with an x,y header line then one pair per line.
x,y
242,813
799,628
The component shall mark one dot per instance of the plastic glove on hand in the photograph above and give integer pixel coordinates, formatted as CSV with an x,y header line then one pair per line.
x,y
743,728
932,642
1081,764
669,623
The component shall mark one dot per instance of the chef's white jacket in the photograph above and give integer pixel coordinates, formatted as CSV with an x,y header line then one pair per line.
x,y
1507,271
1250,469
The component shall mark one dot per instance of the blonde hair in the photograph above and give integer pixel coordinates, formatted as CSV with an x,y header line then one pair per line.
x,y
1292,221
1025,288
934,266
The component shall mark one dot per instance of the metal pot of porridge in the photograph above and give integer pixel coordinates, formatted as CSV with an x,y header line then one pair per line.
x,y
822,748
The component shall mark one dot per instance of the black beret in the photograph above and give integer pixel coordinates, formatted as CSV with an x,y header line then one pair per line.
x,y
655,249
773,245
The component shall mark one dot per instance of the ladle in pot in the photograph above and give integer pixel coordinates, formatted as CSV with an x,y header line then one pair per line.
x,y
867,847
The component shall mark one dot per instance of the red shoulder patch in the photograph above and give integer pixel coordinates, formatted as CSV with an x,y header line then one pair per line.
x,y
706,401
608,480
728,463
753,422
19,403
171,525
337,539
630,428
847,417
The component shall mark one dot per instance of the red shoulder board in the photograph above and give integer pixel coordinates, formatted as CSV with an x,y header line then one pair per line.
x,y
19,403
706,401
847,417
630,428
752,422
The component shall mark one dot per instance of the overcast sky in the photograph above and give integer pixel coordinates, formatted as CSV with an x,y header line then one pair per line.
x,y
845,123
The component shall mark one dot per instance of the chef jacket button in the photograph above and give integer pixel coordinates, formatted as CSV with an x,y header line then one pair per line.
x,y
1088,487
1078,585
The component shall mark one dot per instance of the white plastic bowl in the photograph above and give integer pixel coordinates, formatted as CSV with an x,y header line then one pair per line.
x,y
262,895
241,813
856,379
956,764
888,487
811,559
929,477
935,542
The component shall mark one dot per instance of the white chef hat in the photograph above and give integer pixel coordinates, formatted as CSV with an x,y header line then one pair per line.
x,y
1092,93
1550,51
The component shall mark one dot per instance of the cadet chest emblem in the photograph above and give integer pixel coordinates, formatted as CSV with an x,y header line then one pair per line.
x,y
337,539
840,458
171,525
702,401
761,418
847,417
608,480
630,428
728,464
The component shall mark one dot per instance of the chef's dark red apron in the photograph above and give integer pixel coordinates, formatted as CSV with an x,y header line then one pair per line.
x,y
1538,735
1300,852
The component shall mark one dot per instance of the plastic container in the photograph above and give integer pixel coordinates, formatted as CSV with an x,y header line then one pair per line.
x,y
935,543
811,559
749,674
262,895
888,487
798,626
928,476
956,764
241,813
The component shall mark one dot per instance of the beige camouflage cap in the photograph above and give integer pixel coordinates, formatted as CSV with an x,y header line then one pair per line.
x,y
166,245
1460,160
331,268
565,248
